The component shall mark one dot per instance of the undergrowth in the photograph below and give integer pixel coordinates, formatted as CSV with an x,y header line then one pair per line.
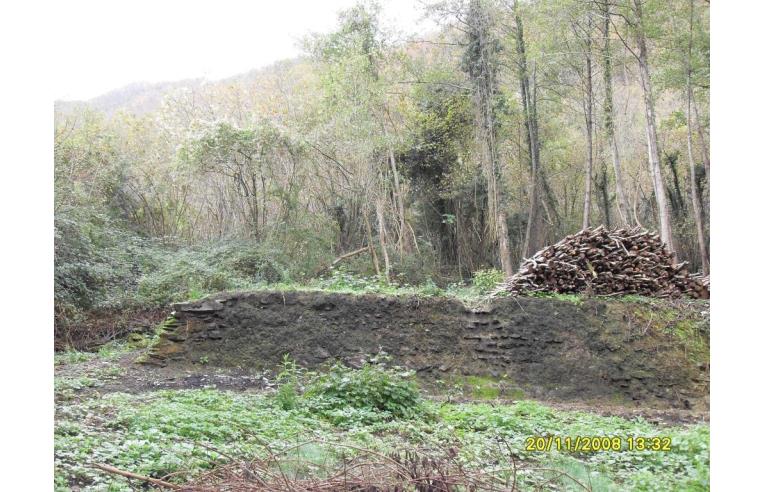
x,y
182,433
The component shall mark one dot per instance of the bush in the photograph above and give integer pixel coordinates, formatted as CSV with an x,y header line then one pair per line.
x,y
192,272
259,263
188,274
430,288
374,392
96,269
486,280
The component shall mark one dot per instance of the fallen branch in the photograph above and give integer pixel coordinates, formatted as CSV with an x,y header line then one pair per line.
x,y
341,258
127,474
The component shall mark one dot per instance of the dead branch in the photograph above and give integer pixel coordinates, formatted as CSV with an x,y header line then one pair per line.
x,y
127,474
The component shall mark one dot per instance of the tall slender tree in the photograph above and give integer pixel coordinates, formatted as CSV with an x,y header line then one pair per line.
x,y
691,160
585,33
528,95
635,18
653,153
609,117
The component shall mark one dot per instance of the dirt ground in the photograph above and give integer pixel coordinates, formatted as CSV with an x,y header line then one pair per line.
x,y
127,376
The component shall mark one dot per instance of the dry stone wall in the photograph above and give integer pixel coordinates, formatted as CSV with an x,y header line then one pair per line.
x,y
549,348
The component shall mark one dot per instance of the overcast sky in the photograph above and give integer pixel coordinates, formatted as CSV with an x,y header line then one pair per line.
x,y
103,45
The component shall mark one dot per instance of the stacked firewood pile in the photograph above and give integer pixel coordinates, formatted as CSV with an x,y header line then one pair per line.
x,y
603,262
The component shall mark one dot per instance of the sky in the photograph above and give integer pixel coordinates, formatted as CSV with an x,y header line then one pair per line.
x,y
104,45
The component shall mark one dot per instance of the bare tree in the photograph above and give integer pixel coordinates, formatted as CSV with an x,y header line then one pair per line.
x,y
652,132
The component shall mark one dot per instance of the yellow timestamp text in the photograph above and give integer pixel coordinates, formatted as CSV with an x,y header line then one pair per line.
x,y
594,444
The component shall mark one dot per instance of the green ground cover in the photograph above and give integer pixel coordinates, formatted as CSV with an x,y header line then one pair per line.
x,y
178,434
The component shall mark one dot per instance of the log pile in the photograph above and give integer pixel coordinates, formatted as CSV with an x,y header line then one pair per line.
x,y
603,262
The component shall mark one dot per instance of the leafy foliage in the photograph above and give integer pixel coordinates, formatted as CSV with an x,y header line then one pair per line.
x,y
97,267
289,380
373,392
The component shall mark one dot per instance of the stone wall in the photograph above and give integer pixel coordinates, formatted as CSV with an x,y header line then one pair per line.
x,y
617,351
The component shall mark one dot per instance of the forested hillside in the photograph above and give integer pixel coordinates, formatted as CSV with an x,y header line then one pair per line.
x,y
398,160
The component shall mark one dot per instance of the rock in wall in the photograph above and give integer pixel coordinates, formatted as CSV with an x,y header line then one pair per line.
x,y
549,348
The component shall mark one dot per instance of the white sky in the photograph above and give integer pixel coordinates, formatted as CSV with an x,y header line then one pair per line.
x,y
103,45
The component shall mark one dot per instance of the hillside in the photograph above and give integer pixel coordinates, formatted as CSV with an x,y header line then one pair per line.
x,y
137,98
141,98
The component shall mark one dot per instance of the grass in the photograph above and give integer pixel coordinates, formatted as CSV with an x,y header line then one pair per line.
x,y
481,388
343,283
689,332
184,432
348,283
576,299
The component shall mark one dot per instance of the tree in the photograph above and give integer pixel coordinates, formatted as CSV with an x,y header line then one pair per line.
x,y
481,64
530,115
693,182
653,153
583,32
609,117
356,90
246,157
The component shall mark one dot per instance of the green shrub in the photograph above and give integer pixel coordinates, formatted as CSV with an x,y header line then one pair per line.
x,y
96,268
373,392
259,263
572,298
487,280
178,274
305,245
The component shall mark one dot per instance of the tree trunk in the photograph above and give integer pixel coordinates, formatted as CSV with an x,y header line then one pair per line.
x,y
653,154
382,230
532,231
690,158
506,260
704,147
620,196
370,240
399,199
403,244
605,197
588,115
